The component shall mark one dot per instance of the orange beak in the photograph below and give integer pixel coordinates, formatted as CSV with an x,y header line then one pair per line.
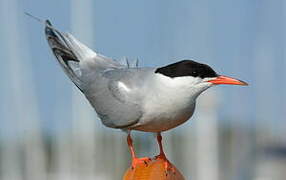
x,y
227,80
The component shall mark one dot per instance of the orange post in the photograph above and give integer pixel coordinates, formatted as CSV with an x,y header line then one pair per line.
x,y
154,170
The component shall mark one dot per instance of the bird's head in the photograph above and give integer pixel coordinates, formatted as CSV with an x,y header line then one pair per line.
x,y
197,76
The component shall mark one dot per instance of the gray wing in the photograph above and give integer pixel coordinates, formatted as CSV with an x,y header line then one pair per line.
x,y
101,79
117,96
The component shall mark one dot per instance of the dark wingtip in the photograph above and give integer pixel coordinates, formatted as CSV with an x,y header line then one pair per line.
x,y
48,22
49,30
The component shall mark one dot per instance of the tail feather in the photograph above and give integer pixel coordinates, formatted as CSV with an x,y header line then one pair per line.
x,y
80,63
63,53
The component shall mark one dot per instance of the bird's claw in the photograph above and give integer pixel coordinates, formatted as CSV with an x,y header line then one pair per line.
x,y
168,166
137,161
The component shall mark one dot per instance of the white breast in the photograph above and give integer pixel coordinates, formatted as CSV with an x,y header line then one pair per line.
x,y
168,103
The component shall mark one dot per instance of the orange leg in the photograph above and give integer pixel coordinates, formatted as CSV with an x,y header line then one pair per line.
x,y
135,160
162,155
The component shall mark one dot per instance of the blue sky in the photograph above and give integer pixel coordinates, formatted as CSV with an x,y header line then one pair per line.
x,y
243,39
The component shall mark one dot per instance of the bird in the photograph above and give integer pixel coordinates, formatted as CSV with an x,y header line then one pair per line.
x,y
149,99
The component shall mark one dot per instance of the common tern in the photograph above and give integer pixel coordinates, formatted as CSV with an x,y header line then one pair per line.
x,y
134,98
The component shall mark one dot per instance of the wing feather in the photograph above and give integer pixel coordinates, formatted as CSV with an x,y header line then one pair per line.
x,y
117,98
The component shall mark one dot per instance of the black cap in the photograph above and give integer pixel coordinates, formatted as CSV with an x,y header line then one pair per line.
x,y
187,68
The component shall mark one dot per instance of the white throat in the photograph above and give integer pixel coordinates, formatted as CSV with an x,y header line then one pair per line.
x,y
169,101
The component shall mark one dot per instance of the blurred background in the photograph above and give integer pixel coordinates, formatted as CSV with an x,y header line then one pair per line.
x,y
49,131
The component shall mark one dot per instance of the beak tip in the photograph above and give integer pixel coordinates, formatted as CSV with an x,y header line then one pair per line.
x,y
244,83
228,80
